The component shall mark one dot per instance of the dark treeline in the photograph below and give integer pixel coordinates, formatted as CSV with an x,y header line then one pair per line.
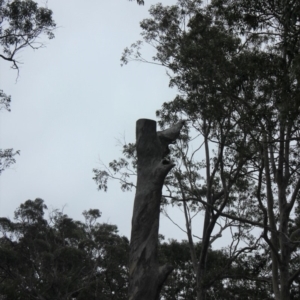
x,y
51,256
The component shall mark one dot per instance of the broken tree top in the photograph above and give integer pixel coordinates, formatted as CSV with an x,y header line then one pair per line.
x,y
146,277
147,138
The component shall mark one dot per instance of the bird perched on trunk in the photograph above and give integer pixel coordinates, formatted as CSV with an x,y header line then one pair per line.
x,y
169,136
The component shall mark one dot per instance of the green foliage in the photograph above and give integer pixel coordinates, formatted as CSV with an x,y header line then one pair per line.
x,y
7,158
235,65
22,23
6,155
59,258
119,169
222,282
4,101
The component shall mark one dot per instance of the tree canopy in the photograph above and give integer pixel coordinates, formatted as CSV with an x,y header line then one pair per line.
x,y
60,258
48,255
236,67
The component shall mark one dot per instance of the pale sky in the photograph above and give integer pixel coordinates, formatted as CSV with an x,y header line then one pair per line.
x,y
71,103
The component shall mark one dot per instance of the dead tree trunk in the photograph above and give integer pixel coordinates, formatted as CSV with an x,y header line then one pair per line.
x,y
146,277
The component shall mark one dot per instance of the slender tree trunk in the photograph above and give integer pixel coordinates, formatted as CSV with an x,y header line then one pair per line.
x,y
146,277
284,283
285,255
202,271
201,291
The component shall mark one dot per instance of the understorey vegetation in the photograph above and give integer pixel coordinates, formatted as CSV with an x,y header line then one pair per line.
x,y
48,255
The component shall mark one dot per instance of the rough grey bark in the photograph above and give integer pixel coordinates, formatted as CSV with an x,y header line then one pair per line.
x,y
146,277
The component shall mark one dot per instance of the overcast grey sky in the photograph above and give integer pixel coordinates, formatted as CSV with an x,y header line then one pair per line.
x,y
71,102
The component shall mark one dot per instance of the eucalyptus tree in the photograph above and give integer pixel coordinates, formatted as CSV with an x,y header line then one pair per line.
x,y
22,23
274,29
201,53
236,66
181,284
60,258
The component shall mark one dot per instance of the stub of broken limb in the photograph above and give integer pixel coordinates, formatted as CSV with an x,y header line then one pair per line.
x,y
169,136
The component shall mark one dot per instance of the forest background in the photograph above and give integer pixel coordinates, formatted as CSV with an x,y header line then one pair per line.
x,y
235,65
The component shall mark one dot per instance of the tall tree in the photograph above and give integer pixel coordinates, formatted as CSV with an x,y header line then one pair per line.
x,y
22,22
226,179
236,66
275,29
